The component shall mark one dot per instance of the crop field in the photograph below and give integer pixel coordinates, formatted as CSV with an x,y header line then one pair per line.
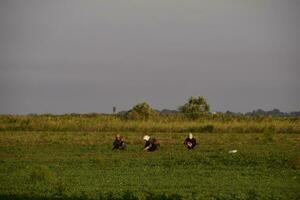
x,y
76,164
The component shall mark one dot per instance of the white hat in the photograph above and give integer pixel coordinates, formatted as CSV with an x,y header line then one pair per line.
x,y
190,135
146,137
232,151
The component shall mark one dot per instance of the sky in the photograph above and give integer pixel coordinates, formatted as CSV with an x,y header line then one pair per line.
x,y
83,56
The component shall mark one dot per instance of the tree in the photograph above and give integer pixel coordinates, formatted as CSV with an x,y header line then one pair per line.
x,y
141,111
195,107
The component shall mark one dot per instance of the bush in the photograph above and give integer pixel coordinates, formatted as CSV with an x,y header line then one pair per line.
x,y
42,174
141,111
195,108
208,128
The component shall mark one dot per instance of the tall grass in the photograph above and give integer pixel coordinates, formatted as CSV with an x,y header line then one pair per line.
x,y
162,123
104,123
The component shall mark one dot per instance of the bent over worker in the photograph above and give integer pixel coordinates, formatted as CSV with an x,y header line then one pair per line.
x,y
151,144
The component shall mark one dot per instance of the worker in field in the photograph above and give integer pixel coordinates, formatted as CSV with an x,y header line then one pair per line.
x,y
151,144
119,143
190,141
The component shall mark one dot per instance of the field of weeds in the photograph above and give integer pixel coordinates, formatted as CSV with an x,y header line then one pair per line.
x,y
163,123
55,164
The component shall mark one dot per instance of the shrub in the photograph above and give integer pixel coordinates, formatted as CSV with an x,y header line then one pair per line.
x,y
195,108
42,174
141,111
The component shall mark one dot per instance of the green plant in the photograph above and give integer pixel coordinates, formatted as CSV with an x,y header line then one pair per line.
x,y
195,107
141,111
42,174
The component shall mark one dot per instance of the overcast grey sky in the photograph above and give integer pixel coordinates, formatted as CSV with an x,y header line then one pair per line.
x,y
62,56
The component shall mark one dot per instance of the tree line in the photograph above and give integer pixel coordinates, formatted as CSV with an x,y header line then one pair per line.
x,y
195,108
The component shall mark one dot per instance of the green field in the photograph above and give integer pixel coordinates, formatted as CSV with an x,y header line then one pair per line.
x,y
81,165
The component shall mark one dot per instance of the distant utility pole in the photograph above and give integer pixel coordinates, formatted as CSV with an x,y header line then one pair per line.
x,y
114,110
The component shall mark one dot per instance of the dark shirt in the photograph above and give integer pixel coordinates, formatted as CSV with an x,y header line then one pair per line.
x,y
152,144
119,144
192,141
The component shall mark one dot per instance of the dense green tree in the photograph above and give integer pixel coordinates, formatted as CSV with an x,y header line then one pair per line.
x,y
195,107
141,111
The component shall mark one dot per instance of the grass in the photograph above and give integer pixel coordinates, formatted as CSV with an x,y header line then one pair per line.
x,y
81,165
166,124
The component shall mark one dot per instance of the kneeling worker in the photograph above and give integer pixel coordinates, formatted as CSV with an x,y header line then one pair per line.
x,y
151,143
119,143
190,141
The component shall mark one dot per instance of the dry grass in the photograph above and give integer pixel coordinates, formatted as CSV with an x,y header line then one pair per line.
x,y
111,123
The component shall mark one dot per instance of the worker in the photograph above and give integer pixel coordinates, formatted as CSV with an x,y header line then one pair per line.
x,y
190,141
151,144
119,143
